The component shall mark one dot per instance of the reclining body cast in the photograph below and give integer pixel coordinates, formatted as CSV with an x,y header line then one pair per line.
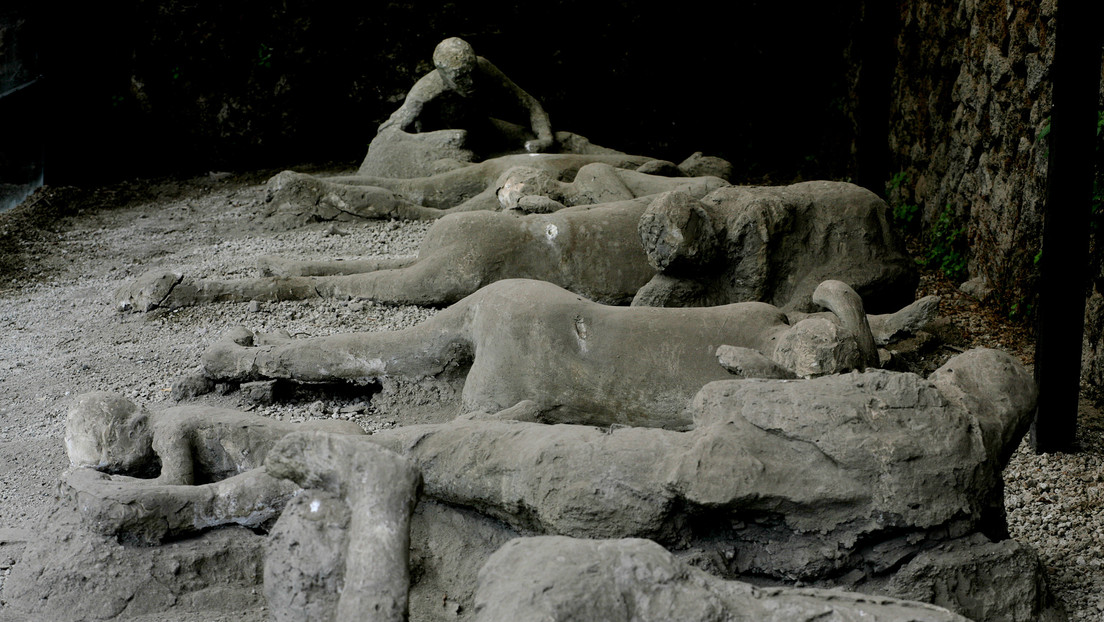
x,y
521,340
591,250
775,244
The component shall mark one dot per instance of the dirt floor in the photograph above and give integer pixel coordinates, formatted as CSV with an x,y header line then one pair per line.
x,y
65,251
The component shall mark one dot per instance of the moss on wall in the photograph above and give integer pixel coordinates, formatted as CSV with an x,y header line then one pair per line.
x,y
972,103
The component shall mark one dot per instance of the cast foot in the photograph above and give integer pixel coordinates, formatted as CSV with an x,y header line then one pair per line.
x,y
324,199
297,199
663,168
148,292
277,337
525,411
232,358
290,183
271,265
537,205
748,363
907,321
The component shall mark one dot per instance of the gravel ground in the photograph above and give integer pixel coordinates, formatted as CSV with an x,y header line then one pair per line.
x,y
1055,502
62,258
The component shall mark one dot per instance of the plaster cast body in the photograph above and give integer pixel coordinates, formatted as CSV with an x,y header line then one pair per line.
x,y
590,250
201,467
780,247
579,361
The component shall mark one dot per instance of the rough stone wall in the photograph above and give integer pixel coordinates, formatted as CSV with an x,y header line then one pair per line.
x,y
971,113
1092,363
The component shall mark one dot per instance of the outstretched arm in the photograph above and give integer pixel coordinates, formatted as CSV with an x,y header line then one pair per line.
x,y
424,90
403,117
145,512
538,118
174,449
440,346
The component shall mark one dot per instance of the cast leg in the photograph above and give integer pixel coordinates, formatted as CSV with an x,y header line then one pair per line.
x,y
273,266
434,348
380,488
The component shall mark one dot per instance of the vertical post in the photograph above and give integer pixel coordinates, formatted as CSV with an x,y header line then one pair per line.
x,y
1076,79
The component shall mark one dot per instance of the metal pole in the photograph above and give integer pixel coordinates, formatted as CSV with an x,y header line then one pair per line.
x,y
1075,74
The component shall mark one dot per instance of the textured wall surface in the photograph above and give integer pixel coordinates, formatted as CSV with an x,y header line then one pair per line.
x,y
1092,364
971,113
969,127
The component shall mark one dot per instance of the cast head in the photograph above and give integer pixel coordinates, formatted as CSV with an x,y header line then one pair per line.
x,y
107,432
817,346
522,181
455,61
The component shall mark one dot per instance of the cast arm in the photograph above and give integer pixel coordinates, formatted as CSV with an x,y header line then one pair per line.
x,y
538,118
175,452
423,91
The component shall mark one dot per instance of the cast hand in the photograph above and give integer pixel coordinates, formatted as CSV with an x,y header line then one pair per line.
x,y
539,145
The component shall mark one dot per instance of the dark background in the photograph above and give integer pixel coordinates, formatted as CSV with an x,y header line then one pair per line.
x,y
146,88
944,104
